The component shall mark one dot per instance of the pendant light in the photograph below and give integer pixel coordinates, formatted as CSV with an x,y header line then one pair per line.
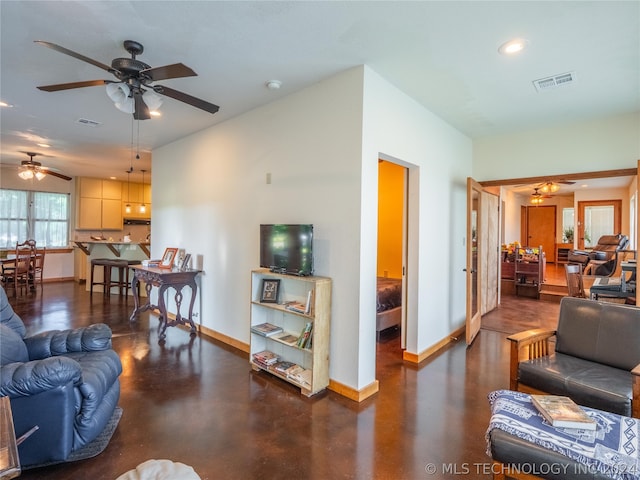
x,y
143,207
127,207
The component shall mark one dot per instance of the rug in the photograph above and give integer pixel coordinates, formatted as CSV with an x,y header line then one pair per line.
x,y
92,449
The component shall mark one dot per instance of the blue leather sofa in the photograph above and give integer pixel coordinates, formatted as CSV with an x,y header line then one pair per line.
x,y
64,381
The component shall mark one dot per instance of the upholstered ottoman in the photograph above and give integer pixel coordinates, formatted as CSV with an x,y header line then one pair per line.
x,y
524,446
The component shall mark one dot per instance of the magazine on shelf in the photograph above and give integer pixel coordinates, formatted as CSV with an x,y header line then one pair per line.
x,y
302,376
266,329
265,358
288,339
296,307
563,412
284,367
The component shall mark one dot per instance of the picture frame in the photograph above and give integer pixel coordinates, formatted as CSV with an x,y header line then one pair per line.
x,y
168,257
184,264
270,290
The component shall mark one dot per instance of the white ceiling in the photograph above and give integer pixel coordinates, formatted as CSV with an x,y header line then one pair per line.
x,y
443,54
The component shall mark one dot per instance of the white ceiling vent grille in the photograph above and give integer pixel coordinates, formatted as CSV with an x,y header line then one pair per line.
x,y
549,83
88,123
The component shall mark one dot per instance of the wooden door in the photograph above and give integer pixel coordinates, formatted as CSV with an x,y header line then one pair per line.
x,y
541,229
482,256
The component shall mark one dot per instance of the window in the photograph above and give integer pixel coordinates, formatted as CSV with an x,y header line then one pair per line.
x,y
567,225
42,216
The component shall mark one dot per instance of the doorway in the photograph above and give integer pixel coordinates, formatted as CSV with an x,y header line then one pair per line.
x,y
538,227
597,218
391,252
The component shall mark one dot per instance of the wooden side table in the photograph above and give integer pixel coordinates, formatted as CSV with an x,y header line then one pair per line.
x,y
163,279
9,460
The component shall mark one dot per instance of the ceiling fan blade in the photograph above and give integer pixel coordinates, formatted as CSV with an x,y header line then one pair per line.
x,y
142,111
183,97
54,174
177,70
566,182
66,51
69,86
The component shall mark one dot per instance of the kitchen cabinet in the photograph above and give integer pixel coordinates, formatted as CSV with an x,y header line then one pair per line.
x,y
99,204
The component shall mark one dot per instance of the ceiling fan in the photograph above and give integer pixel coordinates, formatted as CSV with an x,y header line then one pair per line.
x,y
134,81
537,198
552,187
30,168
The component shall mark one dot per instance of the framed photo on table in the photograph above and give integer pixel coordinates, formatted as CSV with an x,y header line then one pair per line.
x,y
270,289
168,257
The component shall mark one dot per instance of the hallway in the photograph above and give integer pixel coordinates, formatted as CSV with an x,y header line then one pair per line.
x,y
197,401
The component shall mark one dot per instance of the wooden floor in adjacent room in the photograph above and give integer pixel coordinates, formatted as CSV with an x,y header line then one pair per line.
x,y
197,401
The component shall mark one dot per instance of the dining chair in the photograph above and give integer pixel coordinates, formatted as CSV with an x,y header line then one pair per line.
x,y
20,270
575,284
38,266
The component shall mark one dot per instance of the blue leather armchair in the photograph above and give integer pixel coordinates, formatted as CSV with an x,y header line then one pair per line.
x,y
64,381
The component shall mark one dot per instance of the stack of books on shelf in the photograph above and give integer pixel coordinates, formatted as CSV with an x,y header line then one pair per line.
x,y
293,371
306,337
265,359
266,329
301,375
299,307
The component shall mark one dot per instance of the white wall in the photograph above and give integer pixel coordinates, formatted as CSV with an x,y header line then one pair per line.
x,y
439,161
210,195
603,144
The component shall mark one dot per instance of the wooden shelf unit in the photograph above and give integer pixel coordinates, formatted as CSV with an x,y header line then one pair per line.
x,y
562,252
294,288
529,274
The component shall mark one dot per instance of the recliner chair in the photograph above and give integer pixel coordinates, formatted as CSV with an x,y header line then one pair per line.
x,y
603,255
66,382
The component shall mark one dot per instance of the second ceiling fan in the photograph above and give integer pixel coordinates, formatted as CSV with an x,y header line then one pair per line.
x,y
133,89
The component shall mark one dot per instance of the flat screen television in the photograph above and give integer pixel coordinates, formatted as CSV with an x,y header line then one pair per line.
x,y
287,248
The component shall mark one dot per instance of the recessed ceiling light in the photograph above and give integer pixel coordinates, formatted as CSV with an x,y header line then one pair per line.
x,y
273,84
5,104
155,113
43,145
513,46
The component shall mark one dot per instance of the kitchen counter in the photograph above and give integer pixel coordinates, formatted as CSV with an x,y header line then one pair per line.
x,y
116,247
88,250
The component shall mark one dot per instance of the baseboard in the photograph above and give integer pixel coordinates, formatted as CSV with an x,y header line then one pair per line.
x,y
244,347
353,394
420,357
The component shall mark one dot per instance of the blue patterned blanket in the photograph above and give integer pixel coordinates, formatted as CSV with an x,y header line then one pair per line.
x,y
612,449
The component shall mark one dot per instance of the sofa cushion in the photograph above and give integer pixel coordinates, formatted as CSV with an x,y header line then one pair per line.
x,y
12,347
587,383
605,333
10,318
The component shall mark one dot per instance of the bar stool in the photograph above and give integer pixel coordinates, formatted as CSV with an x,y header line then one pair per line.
x,y
108,265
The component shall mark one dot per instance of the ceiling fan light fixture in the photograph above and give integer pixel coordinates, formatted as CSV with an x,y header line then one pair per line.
x,y
40,175
550,187
153,100
119,93
26,174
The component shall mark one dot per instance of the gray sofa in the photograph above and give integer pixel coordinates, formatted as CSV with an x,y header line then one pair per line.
x,y
66,382
595,359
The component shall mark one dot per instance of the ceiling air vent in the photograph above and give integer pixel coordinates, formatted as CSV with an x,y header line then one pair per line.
x,y
544,84
88,123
